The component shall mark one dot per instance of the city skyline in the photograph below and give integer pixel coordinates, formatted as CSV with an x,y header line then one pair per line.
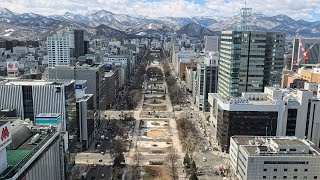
x,y
299,9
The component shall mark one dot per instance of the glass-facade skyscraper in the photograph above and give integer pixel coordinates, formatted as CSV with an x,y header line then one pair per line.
x,y
249,61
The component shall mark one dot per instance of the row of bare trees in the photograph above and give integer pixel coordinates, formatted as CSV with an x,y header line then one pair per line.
x,y
134,94
120,147
166,68
189,141
175,93
172,163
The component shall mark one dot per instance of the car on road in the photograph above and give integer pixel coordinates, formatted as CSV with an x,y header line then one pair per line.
x,y
102,153
102,175
204,159
100,160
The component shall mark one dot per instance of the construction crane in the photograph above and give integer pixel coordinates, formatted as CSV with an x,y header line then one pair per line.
x,y
305,52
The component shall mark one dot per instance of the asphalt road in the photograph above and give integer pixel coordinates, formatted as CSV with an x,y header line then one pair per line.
x,y
100,173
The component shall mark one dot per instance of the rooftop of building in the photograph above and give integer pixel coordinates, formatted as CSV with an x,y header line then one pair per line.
x,y
262,100
77,66
315,70
48,115
33,82
85,97
275,146
108,73
270,96
80,81
27,147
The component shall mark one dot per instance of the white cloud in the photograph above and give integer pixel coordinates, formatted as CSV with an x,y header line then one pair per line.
x,y
297,9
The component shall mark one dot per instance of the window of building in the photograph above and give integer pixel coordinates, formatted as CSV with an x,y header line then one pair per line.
x,y
264,177
305,170
264,169
285,169
274,177
315,177
295,170
305,177
284,177
293,149
295,177
275,169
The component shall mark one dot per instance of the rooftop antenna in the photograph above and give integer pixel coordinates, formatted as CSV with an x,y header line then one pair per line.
x,y
245,18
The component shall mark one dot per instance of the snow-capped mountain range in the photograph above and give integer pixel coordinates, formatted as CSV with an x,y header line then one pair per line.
x,y
105,23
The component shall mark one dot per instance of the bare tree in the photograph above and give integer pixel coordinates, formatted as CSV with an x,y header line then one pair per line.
x,y
135,97
166,68
172,163
136,168
189,141
154,72
118,148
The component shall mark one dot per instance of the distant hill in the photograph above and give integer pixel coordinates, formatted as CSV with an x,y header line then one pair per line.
x,y
105,23
195,30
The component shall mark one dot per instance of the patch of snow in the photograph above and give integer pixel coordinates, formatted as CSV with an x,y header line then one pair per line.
x,y
141,33
8,34
9,30
150,26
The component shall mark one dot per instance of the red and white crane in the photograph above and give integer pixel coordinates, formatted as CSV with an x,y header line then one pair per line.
x,y
305,53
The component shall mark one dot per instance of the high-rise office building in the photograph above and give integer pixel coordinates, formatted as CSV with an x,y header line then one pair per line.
x,y
78,43
58,50
33,97
94,74
249,61
211,43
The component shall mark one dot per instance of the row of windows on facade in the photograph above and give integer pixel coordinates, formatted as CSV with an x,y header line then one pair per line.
x,y
275,170
286,177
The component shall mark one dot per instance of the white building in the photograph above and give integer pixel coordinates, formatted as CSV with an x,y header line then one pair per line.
x,y
273,158
120,61
58,50
206,82
190,75
182,56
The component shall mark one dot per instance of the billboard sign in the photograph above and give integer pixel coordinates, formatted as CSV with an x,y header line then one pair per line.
x,y
12,65
80,85
5,135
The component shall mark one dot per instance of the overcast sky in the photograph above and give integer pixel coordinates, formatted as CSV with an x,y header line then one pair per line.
x,y
297,9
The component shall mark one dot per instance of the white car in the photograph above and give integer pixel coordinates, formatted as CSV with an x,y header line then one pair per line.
x,y
204,159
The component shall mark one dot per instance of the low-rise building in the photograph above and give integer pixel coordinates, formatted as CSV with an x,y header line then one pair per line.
x,y
273,158
276,112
